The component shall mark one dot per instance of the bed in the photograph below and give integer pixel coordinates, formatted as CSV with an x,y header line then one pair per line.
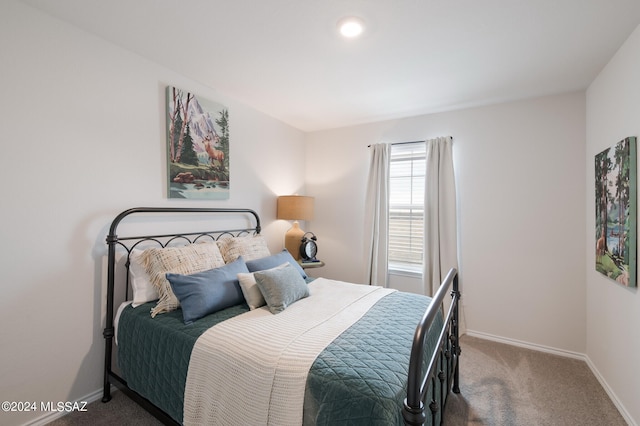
x,y
310,351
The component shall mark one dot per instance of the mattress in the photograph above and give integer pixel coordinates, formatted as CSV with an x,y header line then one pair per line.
x,y
360,378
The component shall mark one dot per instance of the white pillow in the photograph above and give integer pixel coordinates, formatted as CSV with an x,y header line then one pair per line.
x,y
143,290
251,291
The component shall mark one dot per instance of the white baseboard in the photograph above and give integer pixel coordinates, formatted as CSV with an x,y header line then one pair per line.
x,y
527,345
49,417
612,395
561,352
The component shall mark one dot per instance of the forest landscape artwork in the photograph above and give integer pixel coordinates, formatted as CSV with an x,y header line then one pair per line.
x,y
197,147
616,218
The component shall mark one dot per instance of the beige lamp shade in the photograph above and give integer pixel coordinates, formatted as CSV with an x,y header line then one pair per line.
x,y
294,207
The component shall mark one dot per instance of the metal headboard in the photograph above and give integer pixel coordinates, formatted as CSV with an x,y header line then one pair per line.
x,y
128,242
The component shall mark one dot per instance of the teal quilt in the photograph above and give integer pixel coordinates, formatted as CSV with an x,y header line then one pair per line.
x,y
154,353
360,379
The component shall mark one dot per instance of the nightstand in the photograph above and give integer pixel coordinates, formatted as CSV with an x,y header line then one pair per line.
x,y
305,265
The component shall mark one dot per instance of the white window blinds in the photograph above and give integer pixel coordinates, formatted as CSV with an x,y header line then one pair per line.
x,y
406,206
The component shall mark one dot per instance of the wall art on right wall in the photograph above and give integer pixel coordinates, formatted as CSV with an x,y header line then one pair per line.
x,y
616,212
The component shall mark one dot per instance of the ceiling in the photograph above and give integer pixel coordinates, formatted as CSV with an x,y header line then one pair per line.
x,y
286,59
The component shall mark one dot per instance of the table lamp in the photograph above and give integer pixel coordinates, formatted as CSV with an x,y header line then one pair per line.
x,y
294,207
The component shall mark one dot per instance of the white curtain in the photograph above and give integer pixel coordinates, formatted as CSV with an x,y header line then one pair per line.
x,y
440,235
377,216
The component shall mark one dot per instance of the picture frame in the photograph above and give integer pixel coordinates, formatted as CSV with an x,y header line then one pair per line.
x,y
616,212
197,147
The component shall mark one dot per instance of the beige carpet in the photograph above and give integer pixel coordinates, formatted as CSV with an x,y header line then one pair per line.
x,y
500,385
120,411
508,385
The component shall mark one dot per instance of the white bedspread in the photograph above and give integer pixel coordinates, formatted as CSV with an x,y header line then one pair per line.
x,y
252,369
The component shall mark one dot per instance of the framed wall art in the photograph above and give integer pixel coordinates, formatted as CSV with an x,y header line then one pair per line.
x,y
616,242
197,147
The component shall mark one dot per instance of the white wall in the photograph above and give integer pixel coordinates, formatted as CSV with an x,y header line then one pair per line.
x,y
521,195
613,311
83,137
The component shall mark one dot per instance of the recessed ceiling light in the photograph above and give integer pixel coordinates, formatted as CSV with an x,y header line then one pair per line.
x,y
351,27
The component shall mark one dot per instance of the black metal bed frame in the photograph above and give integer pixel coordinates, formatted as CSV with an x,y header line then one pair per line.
x,y
443,363
444,360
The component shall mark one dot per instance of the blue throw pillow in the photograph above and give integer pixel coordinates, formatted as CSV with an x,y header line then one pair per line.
x,y
209,291
273,261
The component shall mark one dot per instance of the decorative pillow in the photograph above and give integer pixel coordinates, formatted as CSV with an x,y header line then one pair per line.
x,y
273,261
250,289
249,247
209,291
178,260
143,290
281,287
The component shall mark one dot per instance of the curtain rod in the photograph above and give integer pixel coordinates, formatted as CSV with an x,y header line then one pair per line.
x,y
402,143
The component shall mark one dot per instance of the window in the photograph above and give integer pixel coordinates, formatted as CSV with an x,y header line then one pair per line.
x,y
406,206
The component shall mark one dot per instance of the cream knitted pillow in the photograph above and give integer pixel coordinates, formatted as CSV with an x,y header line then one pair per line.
x,y
178,260
249,247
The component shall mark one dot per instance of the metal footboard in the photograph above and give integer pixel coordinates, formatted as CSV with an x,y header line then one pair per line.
x,y
444,360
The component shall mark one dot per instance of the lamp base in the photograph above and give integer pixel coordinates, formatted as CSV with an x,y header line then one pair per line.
x,y
293,239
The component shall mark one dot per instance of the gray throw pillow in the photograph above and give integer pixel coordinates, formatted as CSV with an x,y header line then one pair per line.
x,y
281,287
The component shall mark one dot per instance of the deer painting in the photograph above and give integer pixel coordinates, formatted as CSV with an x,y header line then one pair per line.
x,y
214,154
